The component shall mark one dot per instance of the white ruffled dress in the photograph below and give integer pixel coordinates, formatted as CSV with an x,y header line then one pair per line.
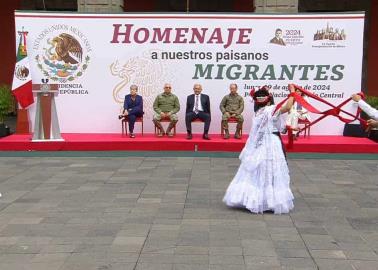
x,y
262,182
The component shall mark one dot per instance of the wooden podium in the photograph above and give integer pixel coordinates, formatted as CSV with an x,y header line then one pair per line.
x,y
46,125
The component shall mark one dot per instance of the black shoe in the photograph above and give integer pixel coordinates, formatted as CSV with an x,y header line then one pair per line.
x,y
189,136
132,135
205,137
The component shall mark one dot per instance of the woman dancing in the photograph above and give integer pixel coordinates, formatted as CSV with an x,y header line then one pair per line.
x,y
262,182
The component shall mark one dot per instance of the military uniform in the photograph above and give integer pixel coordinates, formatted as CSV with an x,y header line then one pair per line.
x,y
166,103
232,104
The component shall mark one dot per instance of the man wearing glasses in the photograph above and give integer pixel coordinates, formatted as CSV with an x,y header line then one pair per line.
x,y
166,106
198,106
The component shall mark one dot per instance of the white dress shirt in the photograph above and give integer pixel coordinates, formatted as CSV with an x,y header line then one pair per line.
x,y
373,113
199,103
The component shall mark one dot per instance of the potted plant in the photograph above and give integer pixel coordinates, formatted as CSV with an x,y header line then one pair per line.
x,y
6,103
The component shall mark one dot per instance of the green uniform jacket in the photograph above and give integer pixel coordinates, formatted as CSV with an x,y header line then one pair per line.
x,y
166,103
232,104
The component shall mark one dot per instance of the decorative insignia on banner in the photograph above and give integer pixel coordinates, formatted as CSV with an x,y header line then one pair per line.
x,y
330,33
63,53
148,75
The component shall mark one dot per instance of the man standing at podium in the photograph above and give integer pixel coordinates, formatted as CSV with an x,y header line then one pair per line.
x,y
198,106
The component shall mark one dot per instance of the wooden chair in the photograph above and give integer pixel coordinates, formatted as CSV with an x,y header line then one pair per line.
x,y
197,120
166,120
307,126
125,120
232,120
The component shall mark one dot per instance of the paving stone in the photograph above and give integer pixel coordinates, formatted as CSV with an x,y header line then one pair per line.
x,y
364,265
190,267
154,266
227,259
361,255
167,213
257,262
292,253
298,263
328,254
332,264
192,250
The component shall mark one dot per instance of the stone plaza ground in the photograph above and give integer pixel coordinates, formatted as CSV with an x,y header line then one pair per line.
x,y
107,213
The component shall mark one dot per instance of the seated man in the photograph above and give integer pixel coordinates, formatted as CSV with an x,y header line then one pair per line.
x,y
296,112
166,105
373,113
232,105
198,106
133,107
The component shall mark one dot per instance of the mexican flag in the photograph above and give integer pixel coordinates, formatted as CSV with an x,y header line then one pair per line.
x,y
22,83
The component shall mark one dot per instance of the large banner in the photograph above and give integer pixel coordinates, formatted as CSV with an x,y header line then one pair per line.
x,y
95,58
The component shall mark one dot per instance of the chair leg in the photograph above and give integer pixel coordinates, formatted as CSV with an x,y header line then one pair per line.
x,y
124,127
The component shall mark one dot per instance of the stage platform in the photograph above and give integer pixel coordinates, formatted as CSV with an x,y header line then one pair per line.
x,y
148,142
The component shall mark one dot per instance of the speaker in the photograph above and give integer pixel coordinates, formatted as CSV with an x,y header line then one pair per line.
x,y
4,130
354,130
373,135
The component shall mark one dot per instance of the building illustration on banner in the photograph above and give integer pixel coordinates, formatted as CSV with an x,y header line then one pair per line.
x,y
330,33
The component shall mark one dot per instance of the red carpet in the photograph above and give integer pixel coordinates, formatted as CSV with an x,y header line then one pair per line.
x,y
148,142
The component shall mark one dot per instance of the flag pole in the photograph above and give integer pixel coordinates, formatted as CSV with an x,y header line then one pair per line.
x,y
23,122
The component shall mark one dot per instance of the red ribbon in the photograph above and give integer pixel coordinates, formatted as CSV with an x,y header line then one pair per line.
x,y
335,111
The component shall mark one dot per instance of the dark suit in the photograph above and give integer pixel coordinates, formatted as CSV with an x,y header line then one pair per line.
x,y
134,109
204,115
278,41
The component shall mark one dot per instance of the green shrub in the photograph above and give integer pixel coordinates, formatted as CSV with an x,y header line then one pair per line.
x,y
372,101
6,101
